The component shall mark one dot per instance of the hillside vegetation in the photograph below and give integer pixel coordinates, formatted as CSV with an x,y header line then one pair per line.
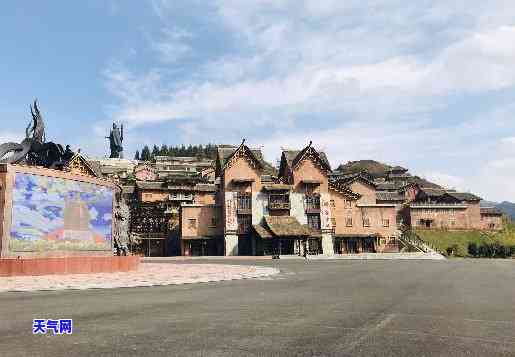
x,y
459,241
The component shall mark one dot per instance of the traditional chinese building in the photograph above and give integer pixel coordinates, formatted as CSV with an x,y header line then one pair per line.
x,y
304,207
442,209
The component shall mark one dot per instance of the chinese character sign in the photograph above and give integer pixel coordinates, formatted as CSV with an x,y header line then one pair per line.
x,y
231,223
56,327
325,212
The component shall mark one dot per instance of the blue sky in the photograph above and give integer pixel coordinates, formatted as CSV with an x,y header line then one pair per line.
x,y
429,85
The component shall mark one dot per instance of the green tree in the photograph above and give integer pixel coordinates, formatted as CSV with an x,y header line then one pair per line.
x,y
145,153
136,156
155,151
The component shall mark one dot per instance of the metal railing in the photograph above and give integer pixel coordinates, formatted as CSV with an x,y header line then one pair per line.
x,y
411,238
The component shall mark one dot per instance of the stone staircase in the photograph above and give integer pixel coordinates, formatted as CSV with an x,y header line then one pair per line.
x,y
411,239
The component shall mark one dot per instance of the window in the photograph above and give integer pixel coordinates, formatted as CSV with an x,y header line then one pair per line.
x,y
214,222
332,204
333,222
192,223
244,223
386,223
314,221
244,201
347,204
366,222
348,222
312,202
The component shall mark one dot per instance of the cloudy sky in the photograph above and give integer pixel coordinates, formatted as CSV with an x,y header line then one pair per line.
x,y
426,84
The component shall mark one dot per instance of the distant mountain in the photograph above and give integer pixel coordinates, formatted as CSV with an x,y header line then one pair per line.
x,y
505,207
508,208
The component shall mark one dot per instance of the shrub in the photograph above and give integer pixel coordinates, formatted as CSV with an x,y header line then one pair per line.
x,y
473,249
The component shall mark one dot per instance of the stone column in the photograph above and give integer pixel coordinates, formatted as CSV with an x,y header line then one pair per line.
x,y
327,243
231,244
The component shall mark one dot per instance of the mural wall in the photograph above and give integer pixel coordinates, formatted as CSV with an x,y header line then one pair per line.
x,y
51,213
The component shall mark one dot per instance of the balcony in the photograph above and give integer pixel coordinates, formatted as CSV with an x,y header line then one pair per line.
x,y
180,197
312,204
278,202
244,204
278,205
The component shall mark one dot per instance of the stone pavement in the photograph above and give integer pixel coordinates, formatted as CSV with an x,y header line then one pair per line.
x,y
359,256
148,274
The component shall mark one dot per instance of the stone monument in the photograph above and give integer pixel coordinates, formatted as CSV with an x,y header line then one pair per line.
x,y
115,142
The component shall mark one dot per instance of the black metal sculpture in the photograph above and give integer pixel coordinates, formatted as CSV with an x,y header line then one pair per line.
x,y
34,150
115,142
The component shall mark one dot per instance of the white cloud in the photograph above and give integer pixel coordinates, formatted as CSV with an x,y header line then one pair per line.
x,y
362,79
173,45
6,136
446,180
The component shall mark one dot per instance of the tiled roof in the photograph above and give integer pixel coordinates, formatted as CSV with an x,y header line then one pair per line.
x,y
286,226
490,211
150,185
338,187
464,196
433,192
225,153
205,187
276,187
263,232
389,196
346,180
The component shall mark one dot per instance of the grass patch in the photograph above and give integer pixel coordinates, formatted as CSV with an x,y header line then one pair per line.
x,y
460,240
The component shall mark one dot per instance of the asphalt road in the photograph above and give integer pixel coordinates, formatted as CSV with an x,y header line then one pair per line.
x,y
323,308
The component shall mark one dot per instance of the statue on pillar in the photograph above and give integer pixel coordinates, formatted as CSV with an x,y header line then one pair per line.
x,y
115,142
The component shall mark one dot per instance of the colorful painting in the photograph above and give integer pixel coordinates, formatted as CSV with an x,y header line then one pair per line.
x,y
51,213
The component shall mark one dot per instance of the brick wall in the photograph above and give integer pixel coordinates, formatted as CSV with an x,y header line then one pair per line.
x,y
444,218
343,209
367,192
491,222
307,170
198,221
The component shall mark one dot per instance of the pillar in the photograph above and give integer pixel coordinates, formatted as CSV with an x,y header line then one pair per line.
x,y
327,243
231,244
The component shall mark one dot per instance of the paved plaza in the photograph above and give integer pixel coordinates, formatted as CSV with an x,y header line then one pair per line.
x,y
453,308
148,274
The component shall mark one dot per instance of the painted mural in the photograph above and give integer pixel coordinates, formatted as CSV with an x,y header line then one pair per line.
x,y
51,213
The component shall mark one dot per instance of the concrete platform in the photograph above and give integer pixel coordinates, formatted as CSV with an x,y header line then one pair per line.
x,y
67,265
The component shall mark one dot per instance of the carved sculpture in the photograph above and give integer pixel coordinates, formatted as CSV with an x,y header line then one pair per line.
x,y
34,150
121,220
115,142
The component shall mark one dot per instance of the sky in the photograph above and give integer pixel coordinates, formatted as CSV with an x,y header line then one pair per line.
x,y
426,84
